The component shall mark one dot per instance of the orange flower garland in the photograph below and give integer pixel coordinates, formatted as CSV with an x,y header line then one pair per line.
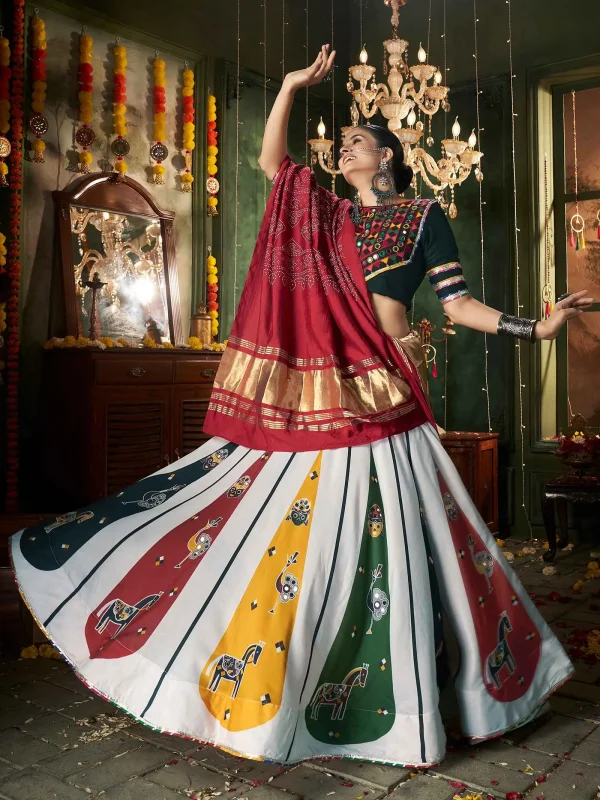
x,y
212,294
120,145
189,128
4,108
85,136
14,255
159,151
212,184
38,124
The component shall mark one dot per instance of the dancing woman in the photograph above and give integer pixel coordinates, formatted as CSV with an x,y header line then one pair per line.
x,y
315,580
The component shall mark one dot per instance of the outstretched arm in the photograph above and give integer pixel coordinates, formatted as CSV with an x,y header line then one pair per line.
x,y
274,148
472,314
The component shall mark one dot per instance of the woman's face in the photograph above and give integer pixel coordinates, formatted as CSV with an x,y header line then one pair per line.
x,y
360,156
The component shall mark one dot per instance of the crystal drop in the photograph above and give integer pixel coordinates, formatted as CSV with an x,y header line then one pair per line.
x,y
453,211
419,126
446,106
479,175
430,141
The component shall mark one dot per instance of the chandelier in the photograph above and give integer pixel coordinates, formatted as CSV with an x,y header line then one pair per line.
x,y
408,91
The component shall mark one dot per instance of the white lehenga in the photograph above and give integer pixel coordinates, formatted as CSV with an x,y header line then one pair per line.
x,y
290,606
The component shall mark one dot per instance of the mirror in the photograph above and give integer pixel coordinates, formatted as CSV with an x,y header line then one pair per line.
x,y
118,244
126,252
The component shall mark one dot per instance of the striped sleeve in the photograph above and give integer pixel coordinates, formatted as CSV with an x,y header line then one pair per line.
x,y
441,257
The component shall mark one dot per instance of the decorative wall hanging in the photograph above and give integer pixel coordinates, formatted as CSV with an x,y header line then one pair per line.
x,y
3,252
577,237
4,107
212,295
85,135
159,151
120,146
189,127
14,256
547,289
212,139
38,124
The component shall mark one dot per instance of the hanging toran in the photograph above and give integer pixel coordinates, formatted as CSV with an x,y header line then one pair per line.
x,y
120,146
85,136
189,127
38,124
159,151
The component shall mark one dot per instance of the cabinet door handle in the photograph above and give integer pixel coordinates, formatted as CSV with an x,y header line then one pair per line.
x,y
137,372
209,373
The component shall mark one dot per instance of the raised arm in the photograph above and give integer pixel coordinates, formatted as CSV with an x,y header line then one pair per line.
x,y
274,147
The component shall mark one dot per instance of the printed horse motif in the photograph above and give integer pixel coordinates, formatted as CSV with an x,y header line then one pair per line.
x,y
501,656
483,561
377,600
200,541
230,668
121,613
153,499
338,694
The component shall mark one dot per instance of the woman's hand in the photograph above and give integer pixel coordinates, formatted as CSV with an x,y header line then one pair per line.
x,y
312,75
566,309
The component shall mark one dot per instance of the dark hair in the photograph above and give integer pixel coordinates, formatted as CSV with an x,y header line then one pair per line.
x,y
403,174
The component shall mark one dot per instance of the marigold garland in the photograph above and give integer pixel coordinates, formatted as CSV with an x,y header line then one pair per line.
x,y
212,293
189,128
38,125
120,145
212,151
5,73
85,136
3,252
14,255
159,151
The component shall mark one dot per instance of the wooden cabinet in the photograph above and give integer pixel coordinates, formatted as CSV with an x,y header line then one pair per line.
x,y
113,417
475,456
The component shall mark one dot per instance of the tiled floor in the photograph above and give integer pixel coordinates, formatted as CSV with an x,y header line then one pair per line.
x,y
57,741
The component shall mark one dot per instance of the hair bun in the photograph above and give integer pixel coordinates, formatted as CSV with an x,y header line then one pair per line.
x,y
403,175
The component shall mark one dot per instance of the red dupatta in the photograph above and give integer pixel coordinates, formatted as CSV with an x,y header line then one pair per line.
x,y
307,366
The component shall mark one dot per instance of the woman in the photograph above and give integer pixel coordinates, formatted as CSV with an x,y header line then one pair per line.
x,y
315,581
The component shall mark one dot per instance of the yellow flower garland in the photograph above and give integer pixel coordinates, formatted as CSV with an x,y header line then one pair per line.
x,y
212,280
119,104
85,134
158,151
189,128
3,253
38,123
212,151
4,104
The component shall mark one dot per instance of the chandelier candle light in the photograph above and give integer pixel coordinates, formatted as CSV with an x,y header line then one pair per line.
x,y
85,136
189,128
212,151
159,151
408,90
120,146
38,124
5,73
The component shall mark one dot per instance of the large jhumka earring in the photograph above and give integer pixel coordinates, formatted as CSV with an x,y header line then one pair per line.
x,y
382,184
355,213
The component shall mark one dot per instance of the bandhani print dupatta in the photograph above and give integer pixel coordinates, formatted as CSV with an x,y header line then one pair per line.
x,y
307,366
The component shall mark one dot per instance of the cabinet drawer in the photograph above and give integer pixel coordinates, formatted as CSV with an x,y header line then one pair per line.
x,y
199,371
132,371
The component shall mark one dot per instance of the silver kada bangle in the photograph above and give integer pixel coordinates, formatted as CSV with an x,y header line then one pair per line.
x,y
519,327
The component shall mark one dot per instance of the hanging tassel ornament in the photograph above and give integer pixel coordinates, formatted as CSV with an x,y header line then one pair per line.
x,y
159,151
85,136
38,124
577,238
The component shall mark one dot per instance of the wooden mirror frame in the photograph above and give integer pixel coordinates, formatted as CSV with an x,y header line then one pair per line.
x,y
110,192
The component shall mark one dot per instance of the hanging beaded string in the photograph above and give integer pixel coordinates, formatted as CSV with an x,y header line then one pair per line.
x,y
486,388
577,238
517,264
547,290
237,162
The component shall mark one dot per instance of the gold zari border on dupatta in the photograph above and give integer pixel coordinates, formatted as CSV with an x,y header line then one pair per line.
x,y
278,394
